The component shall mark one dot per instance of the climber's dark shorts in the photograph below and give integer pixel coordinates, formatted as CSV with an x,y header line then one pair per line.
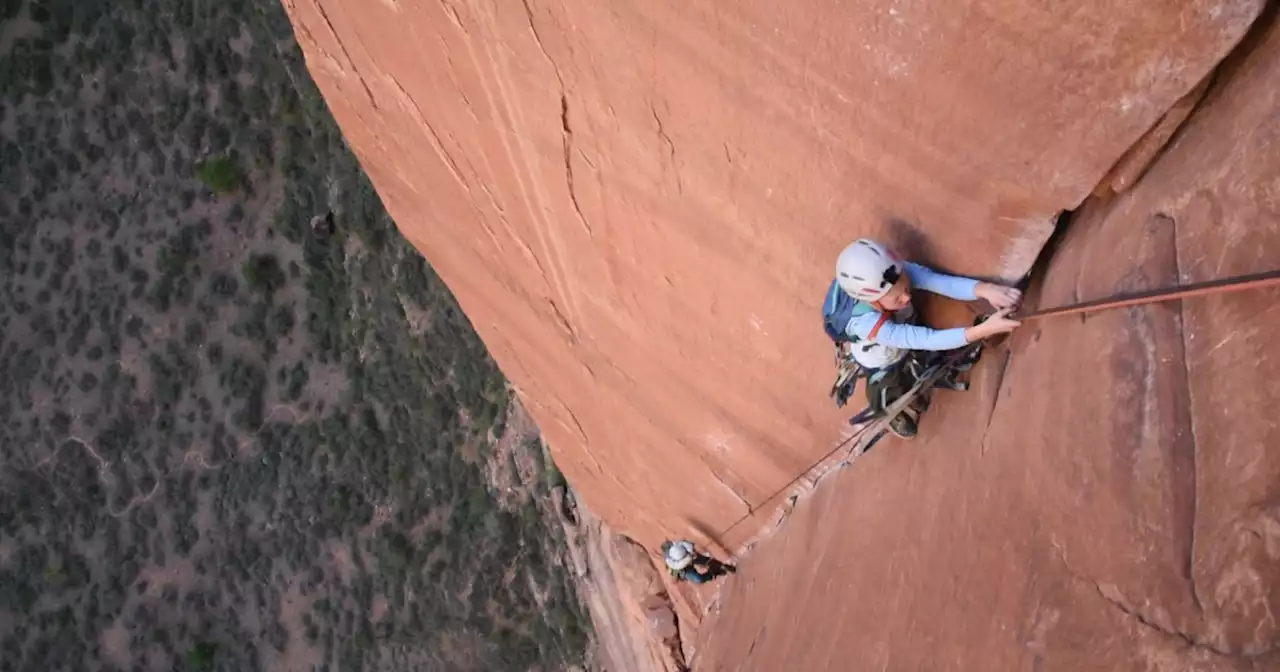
x,y
692,575
887,385
711,569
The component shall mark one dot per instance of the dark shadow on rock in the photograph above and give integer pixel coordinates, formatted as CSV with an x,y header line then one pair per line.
x,y
905,238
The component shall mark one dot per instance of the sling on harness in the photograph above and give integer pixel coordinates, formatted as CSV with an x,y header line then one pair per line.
x,y
837,311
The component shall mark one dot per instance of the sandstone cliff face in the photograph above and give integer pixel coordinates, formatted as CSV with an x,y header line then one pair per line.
x,y
635,626
638,204
1111,502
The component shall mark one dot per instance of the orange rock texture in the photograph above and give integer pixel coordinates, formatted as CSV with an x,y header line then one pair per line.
x,y
1112,502
639,205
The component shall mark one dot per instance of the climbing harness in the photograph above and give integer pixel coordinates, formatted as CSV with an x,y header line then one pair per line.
x,y
940,371
867,436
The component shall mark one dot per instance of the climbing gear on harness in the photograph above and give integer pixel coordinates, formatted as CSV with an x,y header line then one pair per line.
x,y
885,387
838,310
867,270
928,378
865,438
848,372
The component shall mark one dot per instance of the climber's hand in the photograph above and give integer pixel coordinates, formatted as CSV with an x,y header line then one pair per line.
x,y
999,296
996,324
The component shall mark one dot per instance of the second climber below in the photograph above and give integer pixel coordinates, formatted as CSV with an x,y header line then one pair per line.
x,y
868,312
686,563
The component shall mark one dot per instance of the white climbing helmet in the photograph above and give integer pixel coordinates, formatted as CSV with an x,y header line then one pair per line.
x,y
867,270
678,555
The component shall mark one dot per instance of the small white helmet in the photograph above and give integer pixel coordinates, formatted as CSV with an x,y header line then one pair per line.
x,y
867,270
677,555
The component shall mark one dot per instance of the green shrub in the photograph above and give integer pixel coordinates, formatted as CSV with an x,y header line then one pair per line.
x,y
263,273
554,477
201,656
221,175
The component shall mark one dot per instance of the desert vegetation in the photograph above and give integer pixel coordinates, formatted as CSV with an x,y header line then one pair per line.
x,y
243,424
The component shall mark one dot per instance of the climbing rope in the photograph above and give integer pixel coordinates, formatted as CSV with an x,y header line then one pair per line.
x,y
1222,286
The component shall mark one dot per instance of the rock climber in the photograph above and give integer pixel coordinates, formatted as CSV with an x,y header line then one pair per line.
x,y
684,562
868,313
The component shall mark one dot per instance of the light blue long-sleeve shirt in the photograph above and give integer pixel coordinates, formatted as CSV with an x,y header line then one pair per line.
x,y
910,337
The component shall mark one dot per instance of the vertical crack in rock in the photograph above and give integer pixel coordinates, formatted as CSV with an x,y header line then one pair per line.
x,y
436,143
1140,618
1191,422
566,134
566,131
675,644
528,13
742,498
727,486
671,146
1111,595
581,431
611,474
657,120
562,320
347,55
453,16
995,403
1116,600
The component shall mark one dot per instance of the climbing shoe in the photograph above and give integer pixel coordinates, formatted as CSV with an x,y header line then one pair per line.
x,y
721,568
951,381
922,402
905,424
